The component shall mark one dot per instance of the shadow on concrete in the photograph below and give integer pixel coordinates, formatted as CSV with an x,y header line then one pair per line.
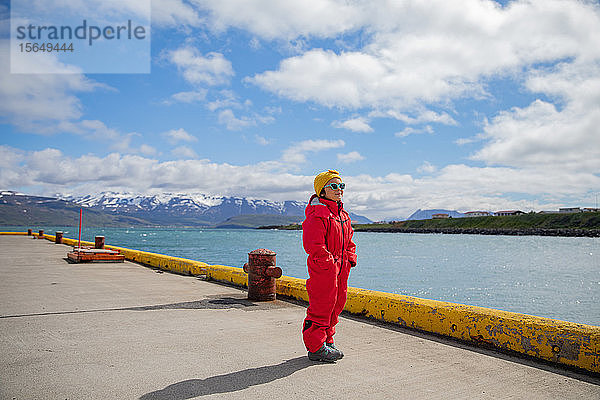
x,y
228,383
220,303
213,304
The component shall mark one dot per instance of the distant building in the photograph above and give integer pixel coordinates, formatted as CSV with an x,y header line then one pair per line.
x,y
440,216
477,214
590,209
569,210
511,212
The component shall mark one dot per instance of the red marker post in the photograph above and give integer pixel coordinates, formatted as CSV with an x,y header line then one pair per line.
x,y
79,241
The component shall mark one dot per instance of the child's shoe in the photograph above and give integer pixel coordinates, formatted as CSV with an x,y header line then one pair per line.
x,y
332,347
324,354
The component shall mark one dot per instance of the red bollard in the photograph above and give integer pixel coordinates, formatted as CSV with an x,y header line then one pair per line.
x,y
58,237
29,232
99,242
41,236
262,273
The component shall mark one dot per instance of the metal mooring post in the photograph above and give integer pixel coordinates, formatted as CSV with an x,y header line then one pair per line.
x,y
58,237
262,273
41,235
99,242
29,232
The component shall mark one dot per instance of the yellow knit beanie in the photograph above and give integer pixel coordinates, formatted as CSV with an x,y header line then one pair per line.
x,y
324,177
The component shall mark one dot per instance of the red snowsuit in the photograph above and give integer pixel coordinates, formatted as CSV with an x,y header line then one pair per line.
x,y
327,238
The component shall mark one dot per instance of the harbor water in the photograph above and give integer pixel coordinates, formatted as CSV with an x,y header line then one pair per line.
x,y
554,277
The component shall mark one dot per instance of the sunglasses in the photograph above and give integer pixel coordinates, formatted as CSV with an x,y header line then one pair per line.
x,y
336,186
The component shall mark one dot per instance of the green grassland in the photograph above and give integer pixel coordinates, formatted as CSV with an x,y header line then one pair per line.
x,y
587,220
576,224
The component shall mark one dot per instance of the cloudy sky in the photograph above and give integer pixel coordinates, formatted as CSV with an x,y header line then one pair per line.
x,y
467,105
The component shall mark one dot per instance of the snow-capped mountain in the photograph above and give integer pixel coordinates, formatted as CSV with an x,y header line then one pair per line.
x,y
165,209
193,208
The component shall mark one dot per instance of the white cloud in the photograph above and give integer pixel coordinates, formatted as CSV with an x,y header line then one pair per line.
x,y
416,116
273,110
499,180
545,136
184,152
391,196
427,167
463,141
228,99
122,143
432,53
129,8
228,118
165,13
351,157
264,119
296,153
11,168
147,150
174,13
211,69
359,79
355,125
39,103
10,156
92,174
98,131
539,135
95,129
414,131
254,44
285,20
187,97
466,188
47,104
262,140
179,135
346,80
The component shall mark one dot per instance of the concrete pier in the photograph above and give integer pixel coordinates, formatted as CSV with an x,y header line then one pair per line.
x,y
123,331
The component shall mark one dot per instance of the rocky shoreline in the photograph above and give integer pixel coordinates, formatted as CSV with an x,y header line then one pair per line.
x,y
492,231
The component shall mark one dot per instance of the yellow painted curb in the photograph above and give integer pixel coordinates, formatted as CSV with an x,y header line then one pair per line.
x,y
292,287
177,265
16,233
548,339
557,341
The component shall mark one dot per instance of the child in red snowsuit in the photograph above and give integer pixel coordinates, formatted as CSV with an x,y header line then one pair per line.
x,y
327,238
